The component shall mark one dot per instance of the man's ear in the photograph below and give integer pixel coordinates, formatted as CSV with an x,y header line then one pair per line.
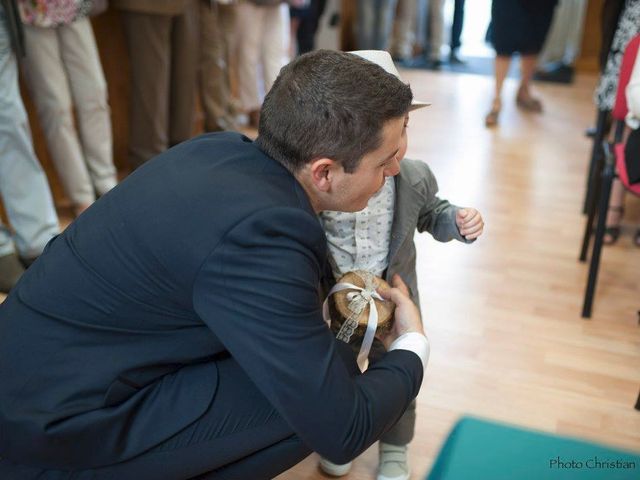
x,y
323,172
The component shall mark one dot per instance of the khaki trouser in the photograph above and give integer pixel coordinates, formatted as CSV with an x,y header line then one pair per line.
x,y
63,71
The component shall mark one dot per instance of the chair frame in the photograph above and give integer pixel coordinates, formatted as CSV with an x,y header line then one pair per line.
x,y
598,207
596,158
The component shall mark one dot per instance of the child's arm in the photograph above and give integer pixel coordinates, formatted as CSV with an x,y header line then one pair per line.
x,y
438,216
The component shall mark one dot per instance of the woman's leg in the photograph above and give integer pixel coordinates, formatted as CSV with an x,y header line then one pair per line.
x,y
614,213
525,100
501,66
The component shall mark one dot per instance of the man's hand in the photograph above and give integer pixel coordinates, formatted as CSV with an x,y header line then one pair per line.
x,y
469,222
407,317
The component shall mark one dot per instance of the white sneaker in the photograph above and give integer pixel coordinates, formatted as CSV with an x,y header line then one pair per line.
x,y
393,462
334,469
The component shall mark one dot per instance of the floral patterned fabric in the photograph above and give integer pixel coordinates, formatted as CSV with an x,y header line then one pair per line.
x,y
51,13
628,27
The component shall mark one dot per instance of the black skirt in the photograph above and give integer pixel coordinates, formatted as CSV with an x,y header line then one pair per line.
x,y
520,25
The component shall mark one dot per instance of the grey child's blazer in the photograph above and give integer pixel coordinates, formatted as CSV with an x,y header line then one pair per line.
x,y
416,207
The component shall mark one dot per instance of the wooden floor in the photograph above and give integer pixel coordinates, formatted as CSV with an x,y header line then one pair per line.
x,y
503,315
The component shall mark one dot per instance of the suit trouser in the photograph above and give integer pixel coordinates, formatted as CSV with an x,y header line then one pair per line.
x,y
164,62
23,184
262,42
240,436
63,71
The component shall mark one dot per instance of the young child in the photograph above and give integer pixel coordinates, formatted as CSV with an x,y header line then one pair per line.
x,y
379,239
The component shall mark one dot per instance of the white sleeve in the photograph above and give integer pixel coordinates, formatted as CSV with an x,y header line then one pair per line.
x,y
414,342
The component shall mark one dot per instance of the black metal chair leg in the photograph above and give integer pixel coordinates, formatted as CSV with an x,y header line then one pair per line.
x,y
596,156
608,175
591,215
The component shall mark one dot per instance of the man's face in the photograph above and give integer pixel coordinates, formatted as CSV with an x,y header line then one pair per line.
x,y
353,190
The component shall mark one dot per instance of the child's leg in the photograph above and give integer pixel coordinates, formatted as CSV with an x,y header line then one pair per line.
x,y
393,460
402,432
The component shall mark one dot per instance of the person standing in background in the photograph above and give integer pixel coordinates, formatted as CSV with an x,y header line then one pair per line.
x,y
518,26
162,39
23,184
63,71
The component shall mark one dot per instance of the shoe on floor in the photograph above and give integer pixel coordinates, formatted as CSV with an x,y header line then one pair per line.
x,y
528,103
454,59
10,271
491,120
334,469
394,464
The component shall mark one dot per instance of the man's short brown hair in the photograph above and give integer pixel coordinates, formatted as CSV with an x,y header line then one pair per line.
x,y
329,104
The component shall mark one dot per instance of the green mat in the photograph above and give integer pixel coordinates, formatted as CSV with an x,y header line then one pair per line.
x,y
482,449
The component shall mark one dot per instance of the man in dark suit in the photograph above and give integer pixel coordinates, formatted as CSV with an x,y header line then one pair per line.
x,y
174,329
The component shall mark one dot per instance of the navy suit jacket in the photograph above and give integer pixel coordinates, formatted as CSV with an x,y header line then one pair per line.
x,y
109,342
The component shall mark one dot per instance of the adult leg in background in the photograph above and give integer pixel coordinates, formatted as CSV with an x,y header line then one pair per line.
x,y
89,91
23,184
149,44
49,86
185,39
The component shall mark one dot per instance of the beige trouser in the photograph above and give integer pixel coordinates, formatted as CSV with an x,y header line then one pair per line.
x,y
263,32
565,34
163,50
63,71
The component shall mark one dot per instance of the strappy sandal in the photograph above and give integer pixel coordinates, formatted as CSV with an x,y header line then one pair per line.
x,y
612,232
491,120
529,104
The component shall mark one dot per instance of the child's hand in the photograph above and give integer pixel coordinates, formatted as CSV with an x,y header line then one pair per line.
x,y
469,222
